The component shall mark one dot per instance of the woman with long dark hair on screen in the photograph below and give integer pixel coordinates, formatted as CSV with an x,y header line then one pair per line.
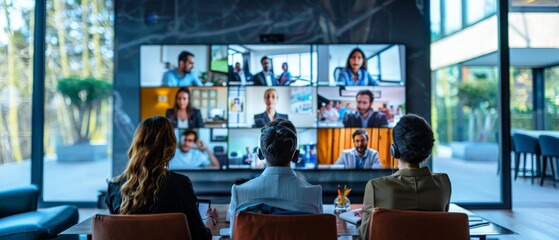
x,y
355,72
183,115
271,100
147,186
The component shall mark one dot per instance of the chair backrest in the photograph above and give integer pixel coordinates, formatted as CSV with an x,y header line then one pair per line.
x,y
525,143
403,224
219,149
549,145
165,226
251,226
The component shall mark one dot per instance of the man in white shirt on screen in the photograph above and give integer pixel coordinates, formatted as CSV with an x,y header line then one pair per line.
x,y
192,153
360,157
278,186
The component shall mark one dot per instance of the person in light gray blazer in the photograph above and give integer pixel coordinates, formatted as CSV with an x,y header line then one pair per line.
x,y
278,186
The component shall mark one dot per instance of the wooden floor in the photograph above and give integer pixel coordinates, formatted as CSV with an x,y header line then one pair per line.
x,y
529,223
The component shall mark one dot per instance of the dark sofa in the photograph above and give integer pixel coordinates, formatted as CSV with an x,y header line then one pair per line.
x,y
20,219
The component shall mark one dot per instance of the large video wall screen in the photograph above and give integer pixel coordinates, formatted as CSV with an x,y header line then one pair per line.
x,y
343,99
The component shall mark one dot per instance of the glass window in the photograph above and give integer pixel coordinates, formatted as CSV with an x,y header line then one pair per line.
x,y
452,16
464,119
78,84
16,82
479,9
552,98
521,98
298,64
435,20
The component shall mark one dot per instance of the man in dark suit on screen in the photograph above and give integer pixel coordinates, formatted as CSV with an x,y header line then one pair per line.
x,y
365,116
266,77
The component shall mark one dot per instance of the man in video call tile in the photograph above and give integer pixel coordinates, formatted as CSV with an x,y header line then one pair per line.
x,y
182,76
266,77
360,157
365,116
270,99
240,75
192,153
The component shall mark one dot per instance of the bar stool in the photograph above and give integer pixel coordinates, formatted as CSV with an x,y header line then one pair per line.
x,y
550,151
525,144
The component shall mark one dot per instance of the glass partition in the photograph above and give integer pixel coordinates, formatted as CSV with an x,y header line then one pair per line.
x,y
78,90
16,81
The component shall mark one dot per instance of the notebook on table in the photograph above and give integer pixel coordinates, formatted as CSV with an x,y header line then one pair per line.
x,y
351,216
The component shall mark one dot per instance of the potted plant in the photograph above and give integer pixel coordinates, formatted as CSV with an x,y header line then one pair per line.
x,y
480,101
83,97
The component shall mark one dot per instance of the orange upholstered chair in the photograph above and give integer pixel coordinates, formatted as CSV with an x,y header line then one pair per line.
x,y
251,226
402,224
165,226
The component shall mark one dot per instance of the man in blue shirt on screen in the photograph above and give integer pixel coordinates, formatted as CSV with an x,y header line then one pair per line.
x,y
192,153
361,157
278,186
182,76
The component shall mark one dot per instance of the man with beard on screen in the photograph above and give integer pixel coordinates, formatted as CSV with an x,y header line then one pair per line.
x,y
365,116
183,75
360,157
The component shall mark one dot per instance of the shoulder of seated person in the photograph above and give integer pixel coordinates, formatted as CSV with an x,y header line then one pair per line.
x,y
178,176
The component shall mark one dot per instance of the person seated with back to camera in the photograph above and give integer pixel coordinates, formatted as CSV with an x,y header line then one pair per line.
x,y
361,157
192,153
412,187
147,186
278,185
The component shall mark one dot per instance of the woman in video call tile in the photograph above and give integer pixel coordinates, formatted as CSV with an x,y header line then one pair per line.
x,y
355,72
183,115
271,99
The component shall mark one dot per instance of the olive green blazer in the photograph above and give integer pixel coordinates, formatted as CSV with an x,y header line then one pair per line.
x,y
407,189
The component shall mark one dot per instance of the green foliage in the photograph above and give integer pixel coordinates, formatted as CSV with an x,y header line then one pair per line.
x,y
84,91
479,94
84,97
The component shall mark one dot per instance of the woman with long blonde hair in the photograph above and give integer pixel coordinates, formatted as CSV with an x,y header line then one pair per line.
x,y
147,186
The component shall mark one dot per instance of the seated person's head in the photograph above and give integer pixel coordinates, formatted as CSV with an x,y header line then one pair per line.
x,y
278,143
152,148
413,139
188,139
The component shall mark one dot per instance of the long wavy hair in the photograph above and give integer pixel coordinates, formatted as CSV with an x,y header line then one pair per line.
x,y
153,146
189,108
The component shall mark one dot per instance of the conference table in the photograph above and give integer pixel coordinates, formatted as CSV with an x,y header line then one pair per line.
x,y
345,229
